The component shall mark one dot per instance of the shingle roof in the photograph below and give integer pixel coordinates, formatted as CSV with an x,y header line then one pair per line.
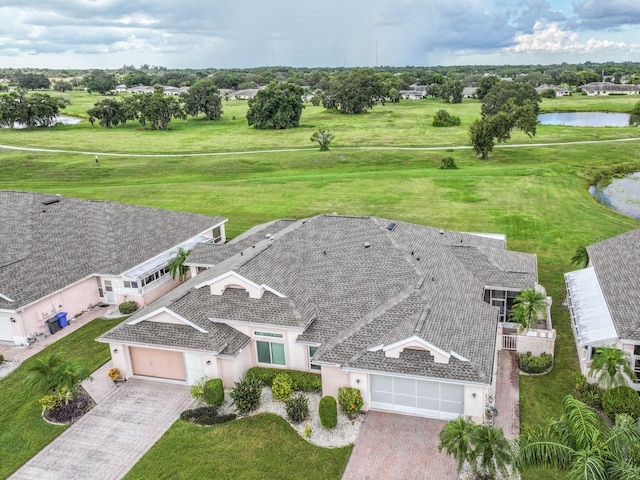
x,y
44,248
410,281
617,265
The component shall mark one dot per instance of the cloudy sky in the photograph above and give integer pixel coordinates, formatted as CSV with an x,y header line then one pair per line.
x,y
249,33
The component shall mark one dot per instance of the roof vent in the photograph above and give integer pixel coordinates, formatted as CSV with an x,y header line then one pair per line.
x,y
335,213
367,244
49,201
391,227
268,235
441,232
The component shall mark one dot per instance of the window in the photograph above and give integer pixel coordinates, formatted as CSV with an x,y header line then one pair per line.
x,y
156,275
217,235
130,284
272,353
312,352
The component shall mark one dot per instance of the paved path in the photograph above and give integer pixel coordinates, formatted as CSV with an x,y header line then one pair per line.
x,y
508,394
280,150
392,446
113,436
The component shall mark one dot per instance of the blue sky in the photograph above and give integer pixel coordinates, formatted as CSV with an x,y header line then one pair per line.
x,y
225,33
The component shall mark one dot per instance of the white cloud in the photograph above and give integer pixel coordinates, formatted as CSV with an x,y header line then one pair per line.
x,y
553,39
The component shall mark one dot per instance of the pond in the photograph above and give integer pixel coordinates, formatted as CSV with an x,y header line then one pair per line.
x,y
586,119
61,119
622,195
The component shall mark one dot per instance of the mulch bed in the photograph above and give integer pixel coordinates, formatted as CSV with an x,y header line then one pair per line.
x,y
70,413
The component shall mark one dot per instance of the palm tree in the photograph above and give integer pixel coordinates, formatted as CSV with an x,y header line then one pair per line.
x,y
581,258
611,367
492,451
176,264
528,305
581,445
67,378
455,439
42,371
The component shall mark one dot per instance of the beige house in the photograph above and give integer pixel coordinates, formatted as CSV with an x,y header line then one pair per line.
x,y
410,315
604,300
607,88
65,255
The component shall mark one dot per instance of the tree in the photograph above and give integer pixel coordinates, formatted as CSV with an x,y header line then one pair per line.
x,y
62,86
353,92
203,97
110,112
450,90
581,257
176,264
323,138
277,107
36,110
52,374
456,439
583,447
528,305
506,96
485,85
153,109
481,137
442,118
32,81
611,367
100,81
137,78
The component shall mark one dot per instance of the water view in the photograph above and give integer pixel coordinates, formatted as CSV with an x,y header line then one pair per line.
x,y
60,119
622,195
585,119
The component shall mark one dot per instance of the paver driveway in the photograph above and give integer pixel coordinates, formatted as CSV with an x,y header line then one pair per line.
x,y
392,446
111,438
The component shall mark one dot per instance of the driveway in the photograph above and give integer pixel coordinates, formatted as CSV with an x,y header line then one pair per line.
x,y
393,446
111,438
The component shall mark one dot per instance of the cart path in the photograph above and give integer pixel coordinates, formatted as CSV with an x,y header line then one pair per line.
x,y
282,150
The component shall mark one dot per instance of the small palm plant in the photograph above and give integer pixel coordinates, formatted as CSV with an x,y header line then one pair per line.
x,y
529,304
580,258
176,264
52,374
323,138
611,367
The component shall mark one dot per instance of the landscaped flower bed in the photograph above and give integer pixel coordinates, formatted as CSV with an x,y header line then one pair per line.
x,y
71,412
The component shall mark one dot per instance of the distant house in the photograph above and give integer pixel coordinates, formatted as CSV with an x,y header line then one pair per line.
x,y
60,254
607,88
141,89
604,300
469,92
412,94
560,91
120,88
246,94
410,315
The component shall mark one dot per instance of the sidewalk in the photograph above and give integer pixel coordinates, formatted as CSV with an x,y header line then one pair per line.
x,y
14,355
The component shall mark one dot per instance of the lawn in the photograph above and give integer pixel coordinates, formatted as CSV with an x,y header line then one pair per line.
x,y
23,432
253,448
537,196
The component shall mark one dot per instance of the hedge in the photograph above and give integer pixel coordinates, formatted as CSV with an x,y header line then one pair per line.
x,y
621,400
128,307
302,381
205,416
532,364
328,411
213,392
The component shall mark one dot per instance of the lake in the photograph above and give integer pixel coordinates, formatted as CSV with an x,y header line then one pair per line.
x,y
622,195
63,119
585,119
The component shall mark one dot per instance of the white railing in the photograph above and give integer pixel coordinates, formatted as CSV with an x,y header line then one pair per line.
x,y
509,341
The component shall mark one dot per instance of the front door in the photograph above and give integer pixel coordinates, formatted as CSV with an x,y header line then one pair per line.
x,y
6,329
106,293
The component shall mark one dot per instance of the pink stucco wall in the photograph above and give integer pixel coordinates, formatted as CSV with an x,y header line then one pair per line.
x,y
332,379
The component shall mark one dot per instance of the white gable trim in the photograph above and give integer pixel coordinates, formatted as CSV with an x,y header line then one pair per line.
x,y
427,345
173,314
6,298
231,278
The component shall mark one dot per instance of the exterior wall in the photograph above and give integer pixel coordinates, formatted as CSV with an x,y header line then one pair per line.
x,y
158,291
332,379
395,352
474,402
74,299
296,355
233,369
121,359
536,341
360,381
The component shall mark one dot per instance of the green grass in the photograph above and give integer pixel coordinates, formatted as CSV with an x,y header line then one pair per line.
x,y
537,196
253,448
24,433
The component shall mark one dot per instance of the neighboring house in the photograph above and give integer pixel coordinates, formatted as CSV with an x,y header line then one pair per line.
x,y
120,88
607,88
246,94
60,254
604,300
412,94
560,91
408,314
469,92
141,89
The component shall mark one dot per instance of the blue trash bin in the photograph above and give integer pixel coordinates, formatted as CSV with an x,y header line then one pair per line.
x,y
62,319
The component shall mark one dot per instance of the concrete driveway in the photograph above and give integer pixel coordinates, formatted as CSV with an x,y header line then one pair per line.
x,y
393,446
113,436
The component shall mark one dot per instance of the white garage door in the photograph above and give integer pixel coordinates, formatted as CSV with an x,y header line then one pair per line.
x,y
6,329
417,397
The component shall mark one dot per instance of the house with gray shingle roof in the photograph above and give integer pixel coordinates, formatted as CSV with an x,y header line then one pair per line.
x,y
410,315
61,254
604,300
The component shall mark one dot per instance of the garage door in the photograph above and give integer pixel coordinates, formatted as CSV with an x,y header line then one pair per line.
x,y
417,397
6,329
157,363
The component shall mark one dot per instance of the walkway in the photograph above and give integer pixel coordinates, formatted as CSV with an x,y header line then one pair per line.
x,y
393,446
113,436
508,394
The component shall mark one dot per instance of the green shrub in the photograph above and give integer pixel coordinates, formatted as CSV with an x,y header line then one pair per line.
x,y
1,358
297,408
442,118
128,307
448,163
621,400
532,364
350,400
49,402
549,93
246,394
586,392
213,392
205,416
328,411
302,381
282,386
